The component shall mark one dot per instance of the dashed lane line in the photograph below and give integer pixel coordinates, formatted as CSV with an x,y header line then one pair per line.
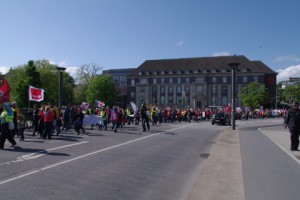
x,y
85,155
40,153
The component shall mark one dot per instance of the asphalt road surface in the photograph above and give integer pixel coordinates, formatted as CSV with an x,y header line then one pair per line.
x,y
162,163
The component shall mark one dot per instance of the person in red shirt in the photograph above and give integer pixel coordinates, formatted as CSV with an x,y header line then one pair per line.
x,y
48,120
41,124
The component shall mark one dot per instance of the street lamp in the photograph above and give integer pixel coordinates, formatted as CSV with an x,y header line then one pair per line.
x,y
61,70
233,67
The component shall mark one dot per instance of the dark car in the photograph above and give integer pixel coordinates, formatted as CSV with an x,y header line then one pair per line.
x,y
220,118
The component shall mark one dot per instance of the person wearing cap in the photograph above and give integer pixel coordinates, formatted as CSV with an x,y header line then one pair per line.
x,y
292,121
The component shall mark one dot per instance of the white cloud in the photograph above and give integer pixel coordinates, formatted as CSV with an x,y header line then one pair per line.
x,y
224,53
63,63
287,58
4,70
284,74
72,71
179,43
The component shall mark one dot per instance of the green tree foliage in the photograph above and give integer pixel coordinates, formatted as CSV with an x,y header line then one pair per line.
x,y
79,93
34,78
253,95
20,79
13,78
291,93
102,88
41,74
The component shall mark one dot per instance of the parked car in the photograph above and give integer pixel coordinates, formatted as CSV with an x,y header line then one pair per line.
x,y
221,118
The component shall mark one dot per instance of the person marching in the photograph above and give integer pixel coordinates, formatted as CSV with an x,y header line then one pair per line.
x,y
115,117
78,118
104,116
35,119
145,118
21,126
48,121
16,111
292,121
6,118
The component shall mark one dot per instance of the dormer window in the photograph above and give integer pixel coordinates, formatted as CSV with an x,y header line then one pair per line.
x,y
245,69
171,72
162,72
204,71
224,70
213,71
141,73
196,71
155,73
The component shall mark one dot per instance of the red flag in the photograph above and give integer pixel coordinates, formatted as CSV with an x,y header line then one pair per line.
x,y
85,105
228,109
4,91
36,94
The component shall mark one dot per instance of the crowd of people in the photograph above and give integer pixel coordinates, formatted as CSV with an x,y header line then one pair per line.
x,y
48,120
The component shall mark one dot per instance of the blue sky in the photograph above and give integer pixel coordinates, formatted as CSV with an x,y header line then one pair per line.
x,y
125,33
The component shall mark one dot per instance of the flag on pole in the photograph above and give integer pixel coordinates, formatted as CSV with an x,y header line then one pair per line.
x,y
99,104
134,107
4,91
85,105
35,94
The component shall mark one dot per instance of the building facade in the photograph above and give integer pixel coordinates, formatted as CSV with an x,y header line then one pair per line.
x,y
119,77
195,82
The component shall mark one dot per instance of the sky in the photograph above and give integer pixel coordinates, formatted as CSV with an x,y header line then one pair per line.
x,y
120,34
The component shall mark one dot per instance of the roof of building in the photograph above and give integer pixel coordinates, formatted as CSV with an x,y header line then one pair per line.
x,y
202,63
112,71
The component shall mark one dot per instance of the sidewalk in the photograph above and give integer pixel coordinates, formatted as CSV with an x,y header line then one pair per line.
x,y
281,137
221,175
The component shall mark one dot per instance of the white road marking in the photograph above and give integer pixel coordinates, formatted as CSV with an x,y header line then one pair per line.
x,y
86,155
40,153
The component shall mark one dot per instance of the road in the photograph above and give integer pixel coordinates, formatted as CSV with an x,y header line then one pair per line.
x,y
171,161
268,171
159,164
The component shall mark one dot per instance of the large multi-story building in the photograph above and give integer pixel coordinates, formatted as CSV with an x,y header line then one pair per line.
x,y
119,77
195,82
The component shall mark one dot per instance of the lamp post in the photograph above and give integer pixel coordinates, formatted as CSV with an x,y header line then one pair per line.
x,y
61,70
233,67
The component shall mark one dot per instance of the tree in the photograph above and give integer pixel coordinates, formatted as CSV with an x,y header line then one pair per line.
x,y
102,88
253,95
42,74
79,93
13,77
20,79
85,73
34,77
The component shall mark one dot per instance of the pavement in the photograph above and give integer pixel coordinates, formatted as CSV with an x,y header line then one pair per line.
x,y
221,176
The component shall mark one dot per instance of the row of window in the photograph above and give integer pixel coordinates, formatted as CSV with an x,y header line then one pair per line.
x,y
183,99
178,80
184,89
170,101
196,71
